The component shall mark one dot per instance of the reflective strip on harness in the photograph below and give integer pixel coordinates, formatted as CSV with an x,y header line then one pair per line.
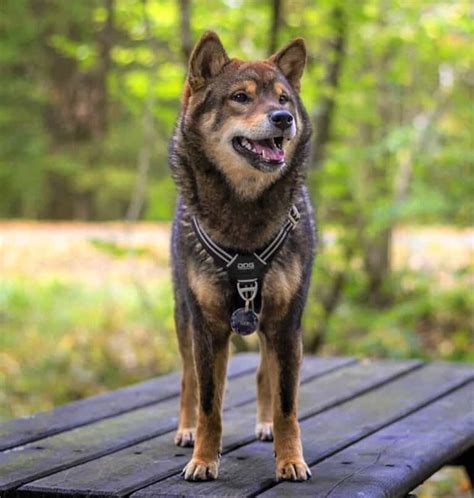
x,y
243,268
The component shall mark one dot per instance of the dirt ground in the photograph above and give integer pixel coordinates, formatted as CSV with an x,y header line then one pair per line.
x,y
36,249
70,249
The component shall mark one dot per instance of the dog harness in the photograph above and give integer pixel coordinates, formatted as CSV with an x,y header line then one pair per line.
x,y
246,271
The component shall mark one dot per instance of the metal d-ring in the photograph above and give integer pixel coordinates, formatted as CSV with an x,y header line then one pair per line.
x,y
247,289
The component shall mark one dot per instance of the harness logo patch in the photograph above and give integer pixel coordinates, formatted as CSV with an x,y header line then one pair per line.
x,y
246,266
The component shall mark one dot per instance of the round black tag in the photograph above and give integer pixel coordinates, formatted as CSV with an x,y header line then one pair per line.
x,y
244,322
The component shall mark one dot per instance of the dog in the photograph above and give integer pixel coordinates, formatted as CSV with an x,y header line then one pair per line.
x,y
238,158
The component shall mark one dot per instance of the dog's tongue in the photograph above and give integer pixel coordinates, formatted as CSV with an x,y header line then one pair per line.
x,y
268,150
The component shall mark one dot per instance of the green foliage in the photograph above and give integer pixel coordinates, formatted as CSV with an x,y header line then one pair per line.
x,y
422,320
162,199
81,339
119,251
402,59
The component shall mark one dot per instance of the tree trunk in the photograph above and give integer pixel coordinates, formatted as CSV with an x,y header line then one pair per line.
x,y
322,126
137,200
325,112
186,39
76,112
277,21
77,109
377,264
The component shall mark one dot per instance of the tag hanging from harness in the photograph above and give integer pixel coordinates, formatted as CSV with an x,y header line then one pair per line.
x,y
246,271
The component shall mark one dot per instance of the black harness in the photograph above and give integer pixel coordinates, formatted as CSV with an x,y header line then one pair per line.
x,y
246,271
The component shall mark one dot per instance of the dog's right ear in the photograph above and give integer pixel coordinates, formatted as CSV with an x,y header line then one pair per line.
x,y
207,60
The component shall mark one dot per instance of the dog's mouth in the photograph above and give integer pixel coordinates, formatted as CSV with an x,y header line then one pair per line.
x,y
266,155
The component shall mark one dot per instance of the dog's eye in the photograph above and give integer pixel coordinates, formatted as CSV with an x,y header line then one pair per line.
x,y
283,99
240,97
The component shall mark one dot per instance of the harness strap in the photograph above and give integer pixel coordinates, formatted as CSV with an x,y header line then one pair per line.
x,y
247,270
225,259
219,254
275,245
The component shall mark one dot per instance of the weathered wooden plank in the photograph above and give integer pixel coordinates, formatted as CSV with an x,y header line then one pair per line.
x,y
249,470
27,429
393,461
55,453
132,468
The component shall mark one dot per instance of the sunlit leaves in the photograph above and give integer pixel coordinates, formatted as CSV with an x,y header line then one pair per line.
x,y
395,51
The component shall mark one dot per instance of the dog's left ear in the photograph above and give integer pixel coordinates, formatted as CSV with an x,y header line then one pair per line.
x,y
207,60
291,60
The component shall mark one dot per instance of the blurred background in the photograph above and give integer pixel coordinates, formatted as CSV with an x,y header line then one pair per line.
x,y
89,94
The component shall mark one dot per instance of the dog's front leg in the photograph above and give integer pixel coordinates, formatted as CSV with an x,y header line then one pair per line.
x,y
211,346
264,427
283,354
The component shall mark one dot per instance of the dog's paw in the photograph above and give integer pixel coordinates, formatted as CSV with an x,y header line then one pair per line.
x,y
198,469
264,431
185,437
292,469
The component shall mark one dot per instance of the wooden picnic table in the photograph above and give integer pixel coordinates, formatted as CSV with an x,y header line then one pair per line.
x,y
370,429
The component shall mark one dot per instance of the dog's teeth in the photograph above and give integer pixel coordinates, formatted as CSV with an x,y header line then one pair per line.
x,y
245,143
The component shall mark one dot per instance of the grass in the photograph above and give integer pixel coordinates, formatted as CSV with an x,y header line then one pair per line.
x,y
423,320
62,340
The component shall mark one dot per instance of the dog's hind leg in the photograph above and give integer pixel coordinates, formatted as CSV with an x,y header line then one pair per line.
x,y
186,432
264,427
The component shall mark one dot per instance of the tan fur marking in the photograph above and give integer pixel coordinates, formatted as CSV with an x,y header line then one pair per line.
x,y
286,430
188,409
248,86
264,395
189,393
247,181
280,88
281,285
205,291
207,121
204,463
291,145
254,121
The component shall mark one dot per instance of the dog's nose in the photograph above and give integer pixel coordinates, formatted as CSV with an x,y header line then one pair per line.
x,y
281,119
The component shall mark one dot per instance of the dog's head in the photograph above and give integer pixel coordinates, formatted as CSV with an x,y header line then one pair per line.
x,y
246,114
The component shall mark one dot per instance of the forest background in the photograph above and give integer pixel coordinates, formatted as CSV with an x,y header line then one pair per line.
x,y
89,95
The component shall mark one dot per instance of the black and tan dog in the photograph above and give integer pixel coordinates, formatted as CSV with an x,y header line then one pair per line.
x,y
238,157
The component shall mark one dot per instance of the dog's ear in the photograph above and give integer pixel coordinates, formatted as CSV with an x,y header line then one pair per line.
x,y
207,60
291,60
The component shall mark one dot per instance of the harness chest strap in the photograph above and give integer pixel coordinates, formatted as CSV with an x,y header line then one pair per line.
x,y
247,270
